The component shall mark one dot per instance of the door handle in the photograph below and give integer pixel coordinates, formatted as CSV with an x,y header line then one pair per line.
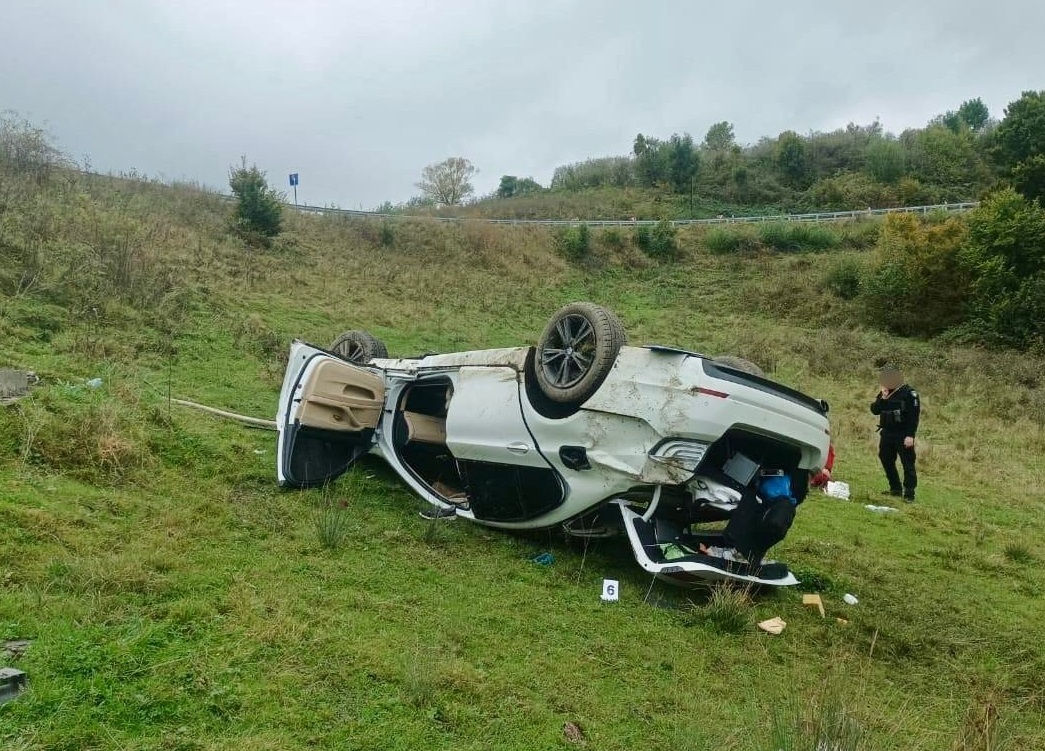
x,y
518,448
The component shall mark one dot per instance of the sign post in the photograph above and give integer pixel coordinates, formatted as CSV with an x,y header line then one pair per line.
x,y
294,185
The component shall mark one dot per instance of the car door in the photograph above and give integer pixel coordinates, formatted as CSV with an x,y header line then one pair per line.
x,y
507,478
329,411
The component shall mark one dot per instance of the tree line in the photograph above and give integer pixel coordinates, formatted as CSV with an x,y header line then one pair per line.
x,y
957,156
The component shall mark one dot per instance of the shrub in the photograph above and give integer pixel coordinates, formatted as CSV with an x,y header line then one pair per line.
x,y
612,238
259,208
388,235
916,285
737,239
793,236
658,241
860,234
844,278
574,242
1005,255
851,191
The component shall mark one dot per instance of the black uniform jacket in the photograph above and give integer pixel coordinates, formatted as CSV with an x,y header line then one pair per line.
x,y
898,413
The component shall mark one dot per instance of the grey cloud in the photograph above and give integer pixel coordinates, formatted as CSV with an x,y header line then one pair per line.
x,y
358,97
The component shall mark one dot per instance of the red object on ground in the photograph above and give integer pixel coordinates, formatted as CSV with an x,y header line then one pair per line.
x,y
822,477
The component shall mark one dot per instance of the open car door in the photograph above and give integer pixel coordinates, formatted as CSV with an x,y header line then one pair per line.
x,y
328,413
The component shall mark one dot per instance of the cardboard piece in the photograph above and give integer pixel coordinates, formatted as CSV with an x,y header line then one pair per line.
x,y
773,625
814,601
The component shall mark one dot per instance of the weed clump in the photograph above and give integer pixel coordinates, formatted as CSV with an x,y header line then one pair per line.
x,y
826,725
84,432
727,610
791,237
330,518
574,242
658,241
720,241
844,278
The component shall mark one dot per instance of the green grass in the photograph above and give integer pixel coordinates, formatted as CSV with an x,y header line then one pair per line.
x,y
177,599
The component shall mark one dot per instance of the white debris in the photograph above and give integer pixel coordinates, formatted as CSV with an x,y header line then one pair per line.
x,y
850,599
879,509
773,625
837,490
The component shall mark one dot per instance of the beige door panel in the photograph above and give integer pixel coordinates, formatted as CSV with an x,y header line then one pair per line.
x,y
425,428
338,396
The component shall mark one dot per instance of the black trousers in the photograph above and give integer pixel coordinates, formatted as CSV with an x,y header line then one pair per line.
x,y
890,446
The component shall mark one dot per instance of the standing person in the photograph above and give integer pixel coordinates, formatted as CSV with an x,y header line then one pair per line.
x,y
898,408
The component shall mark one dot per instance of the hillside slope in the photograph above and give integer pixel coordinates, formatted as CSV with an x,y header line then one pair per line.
x,y
175,599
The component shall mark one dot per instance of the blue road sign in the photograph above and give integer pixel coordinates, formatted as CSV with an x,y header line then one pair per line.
x,y
293,179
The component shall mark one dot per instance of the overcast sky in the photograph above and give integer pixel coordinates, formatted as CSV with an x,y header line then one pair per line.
x,y
357,97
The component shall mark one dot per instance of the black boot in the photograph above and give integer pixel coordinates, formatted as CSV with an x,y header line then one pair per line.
x,y
908,496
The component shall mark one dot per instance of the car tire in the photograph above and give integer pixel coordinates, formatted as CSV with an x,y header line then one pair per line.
x,y
576,352
739,363
358,347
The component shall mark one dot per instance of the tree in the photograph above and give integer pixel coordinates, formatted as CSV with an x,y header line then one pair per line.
x,y
509,184
719,137
649,160
949,160
791,157
259,208
974,113
1005,257
527,185
683,162
885,160
449,182
512,186
1019,144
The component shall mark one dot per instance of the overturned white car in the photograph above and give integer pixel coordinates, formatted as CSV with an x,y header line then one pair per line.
x,y
700,462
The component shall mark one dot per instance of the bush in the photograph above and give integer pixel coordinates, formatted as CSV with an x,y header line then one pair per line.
x,y
860,234
844,278
851,191
737,239
658,241
792,236
259,208
574,242
388,235
916,285
612,238
1005,255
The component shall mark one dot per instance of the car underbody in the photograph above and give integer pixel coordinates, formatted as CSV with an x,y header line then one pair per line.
x,y
671,449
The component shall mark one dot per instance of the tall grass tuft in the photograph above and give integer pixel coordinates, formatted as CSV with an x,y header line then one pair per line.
x,y
727,610
983,729
797,236
739,239
1019,553
331,517
826,725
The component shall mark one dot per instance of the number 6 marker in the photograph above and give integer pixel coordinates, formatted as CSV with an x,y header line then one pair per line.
x,y
610,590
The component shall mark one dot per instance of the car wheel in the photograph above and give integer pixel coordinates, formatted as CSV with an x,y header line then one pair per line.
x,y
358,347
576,352
739,363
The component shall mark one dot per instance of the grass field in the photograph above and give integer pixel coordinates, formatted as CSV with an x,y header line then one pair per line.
x,y
176,599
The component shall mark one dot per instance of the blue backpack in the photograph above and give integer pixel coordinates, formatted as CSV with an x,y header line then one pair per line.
x,y
774,486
